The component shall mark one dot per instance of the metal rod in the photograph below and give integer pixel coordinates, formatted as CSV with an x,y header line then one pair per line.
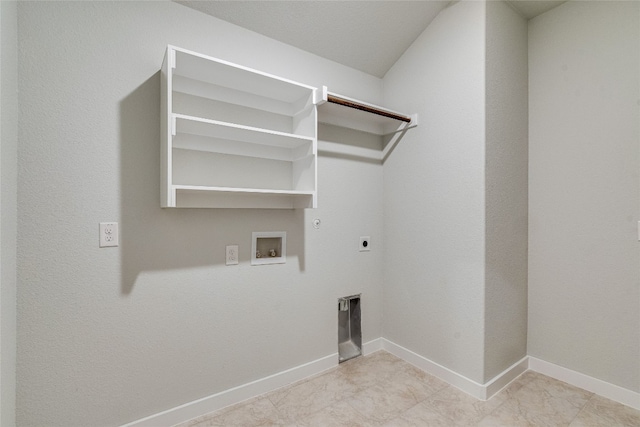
x,y
367,108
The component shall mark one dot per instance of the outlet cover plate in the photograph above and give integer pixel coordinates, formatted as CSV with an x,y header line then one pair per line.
x,y
232,255
108,234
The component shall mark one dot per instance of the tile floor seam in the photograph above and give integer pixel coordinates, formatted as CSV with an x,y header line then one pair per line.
x,y
495,409
314,412
280,415
356,409
404,412
581,409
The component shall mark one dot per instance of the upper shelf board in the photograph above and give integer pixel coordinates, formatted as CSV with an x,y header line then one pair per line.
x,y
218,72
340,115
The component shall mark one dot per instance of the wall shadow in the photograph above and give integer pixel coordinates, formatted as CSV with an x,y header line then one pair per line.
x,y
156,239
350,144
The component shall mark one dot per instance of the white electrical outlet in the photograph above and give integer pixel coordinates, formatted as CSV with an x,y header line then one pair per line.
x,y
108,234
365,243
232,255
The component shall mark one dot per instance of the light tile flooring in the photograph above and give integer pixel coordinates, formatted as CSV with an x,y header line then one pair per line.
x,y
382,390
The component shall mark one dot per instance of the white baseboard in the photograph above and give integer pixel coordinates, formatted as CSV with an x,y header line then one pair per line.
x,y
273,382
503,379
372,346
445,374
485,391
235,395
594,385
247,391
469,386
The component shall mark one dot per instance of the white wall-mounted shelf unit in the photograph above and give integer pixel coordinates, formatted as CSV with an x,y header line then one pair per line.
x,y
233,137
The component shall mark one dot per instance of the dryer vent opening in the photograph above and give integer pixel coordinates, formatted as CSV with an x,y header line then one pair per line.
x,y
349,330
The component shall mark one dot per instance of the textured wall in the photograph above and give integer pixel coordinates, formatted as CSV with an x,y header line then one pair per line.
x,y
584,291
506,156
8,208
434,195
107,336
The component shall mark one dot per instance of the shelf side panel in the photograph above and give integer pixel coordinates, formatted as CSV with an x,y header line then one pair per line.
x,y
304,176
166,195
305,121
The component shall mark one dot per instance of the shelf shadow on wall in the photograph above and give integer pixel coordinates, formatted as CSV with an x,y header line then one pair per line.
x,y
156,239
351,144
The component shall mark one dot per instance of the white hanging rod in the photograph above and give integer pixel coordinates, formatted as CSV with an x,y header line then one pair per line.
x,y
364,107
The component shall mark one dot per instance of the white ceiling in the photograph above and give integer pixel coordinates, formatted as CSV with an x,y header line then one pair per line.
x,y
366,35
530,9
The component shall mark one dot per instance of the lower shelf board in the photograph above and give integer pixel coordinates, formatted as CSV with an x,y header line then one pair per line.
x,y
229,197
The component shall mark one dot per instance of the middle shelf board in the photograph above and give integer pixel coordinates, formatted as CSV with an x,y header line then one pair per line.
x,y
238,148
221,130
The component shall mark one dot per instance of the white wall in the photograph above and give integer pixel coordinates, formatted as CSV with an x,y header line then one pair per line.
x,y
107,336
8,210
434,195
584,296
456,193
506,157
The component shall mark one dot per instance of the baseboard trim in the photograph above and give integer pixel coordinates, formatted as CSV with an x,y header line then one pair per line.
x,y
372,346
236,395
247,391
469,386
485,391
503,379
489,389
594,385
445,374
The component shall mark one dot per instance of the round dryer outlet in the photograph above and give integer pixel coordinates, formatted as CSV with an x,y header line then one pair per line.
x,y
365,243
